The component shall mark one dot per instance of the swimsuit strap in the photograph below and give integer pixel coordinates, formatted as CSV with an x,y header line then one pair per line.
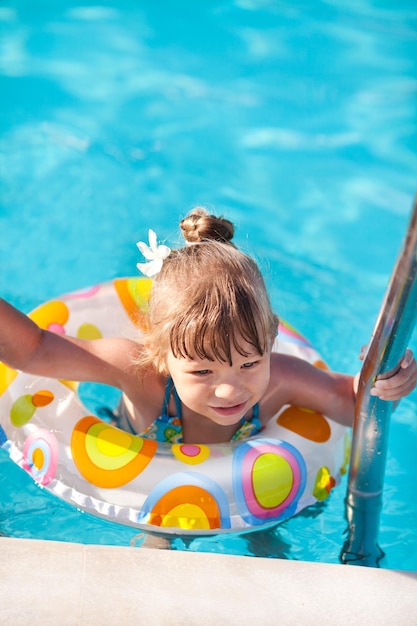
x,y
170,388
248,428
254,418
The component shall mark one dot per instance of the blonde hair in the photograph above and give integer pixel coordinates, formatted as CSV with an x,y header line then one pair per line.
x,y
208,297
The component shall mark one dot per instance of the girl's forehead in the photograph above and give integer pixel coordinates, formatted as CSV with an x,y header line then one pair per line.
x,y
218,337
245,352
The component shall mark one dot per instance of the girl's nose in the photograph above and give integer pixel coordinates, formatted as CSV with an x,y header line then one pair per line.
x,y
228,390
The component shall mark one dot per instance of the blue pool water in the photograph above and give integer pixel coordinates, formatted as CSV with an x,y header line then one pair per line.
x,y
295,120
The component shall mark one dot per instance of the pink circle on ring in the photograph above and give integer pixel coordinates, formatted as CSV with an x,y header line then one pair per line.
x,y
58,329
188,449
45,441
248,492
89,292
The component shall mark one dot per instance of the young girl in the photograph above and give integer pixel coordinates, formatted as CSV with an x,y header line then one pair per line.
x,y
203,371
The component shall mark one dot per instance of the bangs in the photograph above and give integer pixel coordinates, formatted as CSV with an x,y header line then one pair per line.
x,y
209,330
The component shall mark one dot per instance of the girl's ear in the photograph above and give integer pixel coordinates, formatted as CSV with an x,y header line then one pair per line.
x,y
163,369
159,362
157,356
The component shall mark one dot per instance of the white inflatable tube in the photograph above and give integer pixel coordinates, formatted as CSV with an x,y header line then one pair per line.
x,y
179,488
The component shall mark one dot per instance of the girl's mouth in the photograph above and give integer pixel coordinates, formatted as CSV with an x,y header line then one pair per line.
x,y
230,410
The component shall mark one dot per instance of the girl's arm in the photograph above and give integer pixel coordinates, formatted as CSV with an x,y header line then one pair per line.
x,y
25,346
330,393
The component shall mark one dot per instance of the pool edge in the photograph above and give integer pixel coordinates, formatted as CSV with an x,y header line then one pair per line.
x,y
44,582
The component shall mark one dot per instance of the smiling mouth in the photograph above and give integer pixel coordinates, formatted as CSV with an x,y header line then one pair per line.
x,y
230,410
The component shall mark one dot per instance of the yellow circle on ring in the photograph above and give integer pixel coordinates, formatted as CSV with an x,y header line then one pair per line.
x,y
187,517
91,445
272,480
110,448
188,507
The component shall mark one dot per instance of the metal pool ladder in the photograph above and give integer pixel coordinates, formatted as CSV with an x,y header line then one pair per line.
x,y
392,332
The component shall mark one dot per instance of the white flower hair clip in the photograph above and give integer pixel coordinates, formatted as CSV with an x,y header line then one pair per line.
x,y
154,253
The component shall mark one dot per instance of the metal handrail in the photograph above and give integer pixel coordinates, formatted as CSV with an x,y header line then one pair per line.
x,y
390,339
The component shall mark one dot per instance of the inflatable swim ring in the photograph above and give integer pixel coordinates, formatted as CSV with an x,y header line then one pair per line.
x,y
180,488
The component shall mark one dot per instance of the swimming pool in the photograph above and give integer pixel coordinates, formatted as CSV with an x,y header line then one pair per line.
x,y
296,121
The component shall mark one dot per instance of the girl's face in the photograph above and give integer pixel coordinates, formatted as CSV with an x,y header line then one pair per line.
x,y
219,391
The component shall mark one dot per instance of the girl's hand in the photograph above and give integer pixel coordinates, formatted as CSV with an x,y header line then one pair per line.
x,y
399,384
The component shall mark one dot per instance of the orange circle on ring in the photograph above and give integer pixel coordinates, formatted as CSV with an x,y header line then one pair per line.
x,y
134,295
112,478
308,424
42,398
321,365
186,495
38,458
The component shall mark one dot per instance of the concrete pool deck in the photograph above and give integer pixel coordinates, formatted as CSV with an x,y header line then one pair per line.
x,y
51,583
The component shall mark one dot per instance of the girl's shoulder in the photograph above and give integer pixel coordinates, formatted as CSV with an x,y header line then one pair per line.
x,y
297,374
144,395
285,366
291,382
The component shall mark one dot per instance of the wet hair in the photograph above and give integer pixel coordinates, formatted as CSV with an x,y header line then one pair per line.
x,y
208,298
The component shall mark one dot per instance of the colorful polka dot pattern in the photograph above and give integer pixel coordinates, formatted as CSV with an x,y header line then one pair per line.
x,y
269,476
324,483
288,333
186,501
191,454
305,423
23,409
40,454
106,456
134,295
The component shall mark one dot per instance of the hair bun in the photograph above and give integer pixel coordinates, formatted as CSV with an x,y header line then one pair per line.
x,y
199,226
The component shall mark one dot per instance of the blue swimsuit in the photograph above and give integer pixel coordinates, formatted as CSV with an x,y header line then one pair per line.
x,y
169,429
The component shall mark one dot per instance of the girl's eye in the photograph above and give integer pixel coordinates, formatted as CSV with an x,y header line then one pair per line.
x,y
202,372
249,365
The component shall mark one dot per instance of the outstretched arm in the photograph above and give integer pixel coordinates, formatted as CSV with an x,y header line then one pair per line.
x,y
296,382
25,346
19,336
